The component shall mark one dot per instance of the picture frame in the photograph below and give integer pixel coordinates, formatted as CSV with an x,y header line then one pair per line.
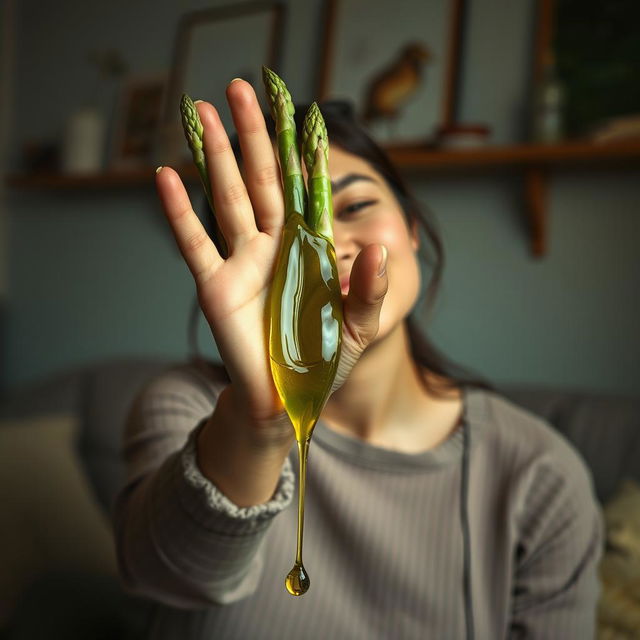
x,y
137,121
201,68
597,61
355,52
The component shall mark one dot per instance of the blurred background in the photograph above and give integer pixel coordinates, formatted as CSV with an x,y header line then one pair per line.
x,y
89,270
516,123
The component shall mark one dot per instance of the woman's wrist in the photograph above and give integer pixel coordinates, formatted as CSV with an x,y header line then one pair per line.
x,y
244,460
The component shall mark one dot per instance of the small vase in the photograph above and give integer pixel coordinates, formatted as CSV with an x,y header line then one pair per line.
x,y
84,142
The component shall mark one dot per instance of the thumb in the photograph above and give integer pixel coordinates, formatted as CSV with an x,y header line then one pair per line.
x,y
367,288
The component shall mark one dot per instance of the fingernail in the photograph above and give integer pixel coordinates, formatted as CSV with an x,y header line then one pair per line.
x,y
198,101
382,267
235,80
159,169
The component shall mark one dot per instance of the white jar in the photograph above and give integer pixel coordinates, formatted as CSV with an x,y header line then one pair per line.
x,y
84,140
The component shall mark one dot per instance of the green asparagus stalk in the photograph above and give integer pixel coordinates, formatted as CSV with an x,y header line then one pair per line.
x,y
305,302
193,131
315,151
282,110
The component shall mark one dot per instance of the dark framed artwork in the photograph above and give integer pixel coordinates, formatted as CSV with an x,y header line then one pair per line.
x,y
403,80
212,47
595,46
137,122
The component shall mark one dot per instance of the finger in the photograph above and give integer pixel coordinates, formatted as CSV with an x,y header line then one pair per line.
x,y
258,157
231,200
194,243
367,288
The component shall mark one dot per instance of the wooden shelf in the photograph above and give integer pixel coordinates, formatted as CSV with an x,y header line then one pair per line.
x,y
413,157
407,157
533,160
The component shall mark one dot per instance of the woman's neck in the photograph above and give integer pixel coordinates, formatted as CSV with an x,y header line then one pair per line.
x,y
385,402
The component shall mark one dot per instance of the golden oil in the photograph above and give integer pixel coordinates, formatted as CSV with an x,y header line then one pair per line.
x,y
305,328
305,334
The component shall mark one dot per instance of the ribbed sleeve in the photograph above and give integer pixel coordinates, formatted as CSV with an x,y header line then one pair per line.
x,y
557,554
179,539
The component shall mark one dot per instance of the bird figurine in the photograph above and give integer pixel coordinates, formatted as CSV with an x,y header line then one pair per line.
x,y
390,90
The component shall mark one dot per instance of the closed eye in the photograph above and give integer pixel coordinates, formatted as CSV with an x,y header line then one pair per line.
x,y
355,207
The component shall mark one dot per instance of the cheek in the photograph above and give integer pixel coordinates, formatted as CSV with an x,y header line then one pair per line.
x,y
404,277
394,235
402,295
403,272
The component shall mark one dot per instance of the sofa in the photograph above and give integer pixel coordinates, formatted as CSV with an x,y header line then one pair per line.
x,y
74,419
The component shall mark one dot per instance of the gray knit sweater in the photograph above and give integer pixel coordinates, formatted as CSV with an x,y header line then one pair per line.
x,y
383,537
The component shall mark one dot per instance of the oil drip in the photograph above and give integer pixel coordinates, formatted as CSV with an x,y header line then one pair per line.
x,y
305,334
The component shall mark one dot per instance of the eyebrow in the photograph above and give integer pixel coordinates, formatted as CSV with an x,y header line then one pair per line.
x,y
349,179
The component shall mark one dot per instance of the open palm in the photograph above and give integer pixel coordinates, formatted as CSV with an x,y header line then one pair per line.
x,y
233,292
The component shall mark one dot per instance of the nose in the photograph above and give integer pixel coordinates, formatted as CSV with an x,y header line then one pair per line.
x,y
344,243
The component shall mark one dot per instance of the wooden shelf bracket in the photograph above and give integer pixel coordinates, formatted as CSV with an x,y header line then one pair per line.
x,y
535,193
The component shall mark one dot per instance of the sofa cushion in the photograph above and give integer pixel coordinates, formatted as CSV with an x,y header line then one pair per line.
x,y
619,606
109,391
55,394
49,518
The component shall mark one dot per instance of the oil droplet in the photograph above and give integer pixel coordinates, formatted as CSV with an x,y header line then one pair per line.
x,y
297,581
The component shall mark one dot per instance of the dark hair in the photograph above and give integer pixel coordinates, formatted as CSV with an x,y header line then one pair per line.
x,y
345,132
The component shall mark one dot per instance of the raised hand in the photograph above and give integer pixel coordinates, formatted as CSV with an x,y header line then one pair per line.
x,y
233,291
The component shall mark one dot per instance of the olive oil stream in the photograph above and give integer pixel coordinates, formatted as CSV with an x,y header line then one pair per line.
x,y
305,335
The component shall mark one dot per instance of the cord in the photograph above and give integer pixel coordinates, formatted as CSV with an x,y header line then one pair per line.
x,y
466,538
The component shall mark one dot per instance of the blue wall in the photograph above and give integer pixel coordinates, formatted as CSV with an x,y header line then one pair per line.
x,y
95,274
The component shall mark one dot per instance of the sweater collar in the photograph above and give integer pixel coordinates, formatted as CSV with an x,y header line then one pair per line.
x,y
358,452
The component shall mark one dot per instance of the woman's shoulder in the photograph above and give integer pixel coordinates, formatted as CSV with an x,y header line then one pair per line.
x,y
521,438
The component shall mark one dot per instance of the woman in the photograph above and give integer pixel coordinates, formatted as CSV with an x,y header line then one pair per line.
x,y
435,507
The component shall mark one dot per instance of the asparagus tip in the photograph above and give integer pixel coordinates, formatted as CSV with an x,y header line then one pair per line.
x,y
314,140
277,92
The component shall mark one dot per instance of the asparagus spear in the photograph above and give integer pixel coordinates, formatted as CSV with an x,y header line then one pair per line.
x,y
282,110
315,151
305,302
193,132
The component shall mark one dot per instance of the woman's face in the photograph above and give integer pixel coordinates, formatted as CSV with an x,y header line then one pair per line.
x,y
367,212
